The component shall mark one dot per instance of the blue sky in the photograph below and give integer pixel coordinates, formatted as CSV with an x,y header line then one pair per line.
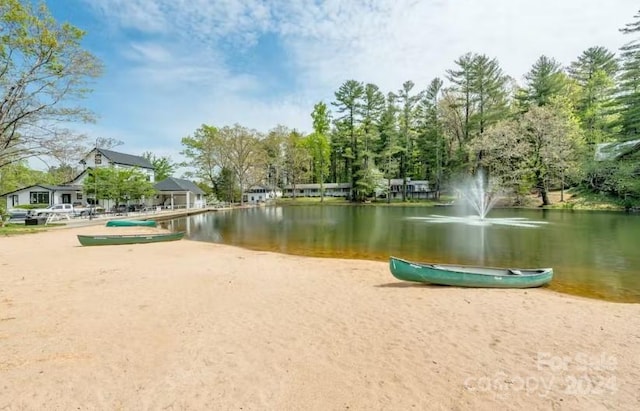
x,y
172,65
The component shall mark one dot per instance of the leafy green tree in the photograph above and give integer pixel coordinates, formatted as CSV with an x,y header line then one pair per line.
x,y
243,153
117,184
43,71
204,154
163,166
274,151
18,174
136,184
226,188
629,82
318,145
537,147
296,159
349,104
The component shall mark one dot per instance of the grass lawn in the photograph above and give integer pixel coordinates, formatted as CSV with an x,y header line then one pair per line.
x,y
14,229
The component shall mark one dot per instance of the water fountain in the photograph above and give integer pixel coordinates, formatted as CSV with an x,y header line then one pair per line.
x,y
481,196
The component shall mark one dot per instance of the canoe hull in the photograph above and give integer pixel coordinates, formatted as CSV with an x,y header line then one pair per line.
x,y
468,276
92,240
131,223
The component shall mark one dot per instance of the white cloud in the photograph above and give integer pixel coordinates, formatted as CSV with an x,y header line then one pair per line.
x,y
179,74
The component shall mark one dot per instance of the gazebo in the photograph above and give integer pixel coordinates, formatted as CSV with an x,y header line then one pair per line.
x,y
179,193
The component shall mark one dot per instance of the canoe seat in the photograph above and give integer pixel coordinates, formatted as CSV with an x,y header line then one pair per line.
x,y
514,272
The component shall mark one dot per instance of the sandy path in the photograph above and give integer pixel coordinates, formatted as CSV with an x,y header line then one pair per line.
x,y
188,325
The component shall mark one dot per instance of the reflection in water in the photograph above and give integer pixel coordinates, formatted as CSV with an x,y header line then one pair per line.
x,y
592,253
481,221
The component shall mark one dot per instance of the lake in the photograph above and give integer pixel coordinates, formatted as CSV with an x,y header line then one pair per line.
x,y
593,254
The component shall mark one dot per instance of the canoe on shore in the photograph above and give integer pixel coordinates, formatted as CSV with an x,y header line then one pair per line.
x,y
88,240
469,276
131,223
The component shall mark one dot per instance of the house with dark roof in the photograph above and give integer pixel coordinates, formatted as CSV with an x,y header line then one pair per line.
x,y
72,192
171,192
46,194
100,157
179,193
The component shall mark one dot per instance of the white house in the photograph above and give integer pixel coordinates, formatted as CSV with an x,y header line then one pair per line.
x,y
260,194
100,157
72,191
416,189
45,194
313,190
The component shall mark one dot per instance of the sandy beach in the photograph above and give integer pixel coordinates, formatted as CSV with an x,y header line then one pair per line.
x,y
191,326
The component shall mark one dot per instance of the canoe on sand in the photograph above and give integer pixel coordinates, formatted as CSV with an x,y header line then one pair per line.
x,y
88,240
469,276
131,223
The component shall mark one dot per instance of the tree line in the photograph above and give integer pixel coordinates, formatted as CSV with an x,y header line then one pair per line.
x,y
536,135
528,137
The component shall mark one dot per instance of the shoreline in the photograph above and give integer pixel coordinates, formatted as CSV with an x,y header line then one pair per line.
x,y
197,325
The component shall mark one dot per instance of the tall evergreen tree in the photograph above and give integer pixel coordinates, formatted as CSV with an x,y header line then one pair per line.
x,y
629,82
594,71
462,80
430,141
349,104
372,107
388,145
407,128
544,81
489,91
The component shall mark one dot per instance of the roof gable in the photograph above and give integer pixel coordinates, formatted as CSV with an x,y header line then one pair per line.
x,y
125,159
49,187
177,184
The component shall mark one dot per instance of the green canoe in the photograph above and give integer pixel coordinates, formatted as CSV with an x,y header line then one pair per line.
x,y
128,238
131,223
469,276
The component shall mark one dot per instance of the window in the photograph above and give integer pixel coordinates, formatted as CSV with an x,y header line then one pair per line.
x,y
79,196
39,197
98,158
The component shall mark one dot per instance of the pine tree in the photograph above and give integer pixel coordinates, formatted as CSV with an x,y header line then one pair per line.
x,y
462,83
372,108
349,103
629,83
488,83
430,139
407,123
594,71
544,80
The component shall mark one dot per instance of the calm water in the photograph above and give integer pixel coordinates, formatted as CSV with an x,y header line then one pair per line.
x,y
595,254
